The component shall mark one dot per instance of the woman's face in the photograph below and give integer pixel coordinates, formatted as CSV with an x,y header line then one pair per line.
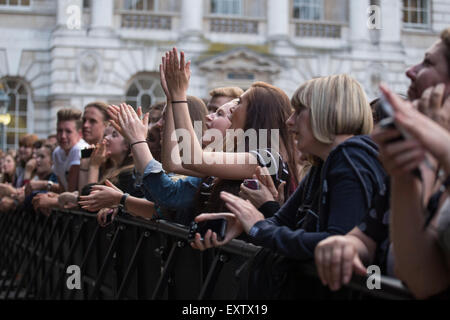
x,y
239,111
154,139
220,119
299,125
9,166
430,72
43,161
25,153
115,143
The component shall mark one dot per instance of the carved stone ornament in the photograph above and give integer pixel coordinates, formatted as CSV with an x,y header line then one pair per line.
x,y
89,68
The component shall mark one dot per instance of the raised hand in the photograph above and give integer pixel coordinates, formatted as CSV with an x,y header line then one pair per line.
x,y
162,78
132,127
99,155
177,74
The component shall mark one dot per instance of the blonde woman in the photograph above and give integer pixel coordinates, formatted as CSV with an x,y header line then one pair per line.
x,y
332,117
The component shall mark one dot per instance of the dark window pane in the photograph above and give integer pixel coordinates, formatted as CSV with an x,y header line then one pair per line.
x,y
140,5
23,105
12,103
133,91
131,103
151,5
11,84
146,101
2,2
10,136
13,2
25,2
22,122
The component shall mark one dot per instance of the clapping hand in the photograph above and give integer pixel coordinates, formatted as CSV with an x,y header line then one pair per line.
x,y
128,123
176,74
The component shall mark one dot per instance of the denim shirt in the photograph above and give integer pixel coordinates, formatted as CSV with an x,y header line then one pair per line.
x,y
164,191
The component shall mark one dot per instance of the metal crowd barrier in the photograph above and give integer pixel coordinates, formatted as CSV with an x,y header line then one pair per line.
x,y
131,258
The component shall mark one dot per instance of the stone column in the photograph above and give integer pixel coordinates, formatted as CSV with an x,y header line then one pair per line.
x,y
278,19
102,13
391,21
191,18
358,21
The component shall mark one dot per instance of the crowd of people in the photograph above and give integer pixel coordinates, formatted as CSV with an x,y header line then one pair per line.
x,y
328,177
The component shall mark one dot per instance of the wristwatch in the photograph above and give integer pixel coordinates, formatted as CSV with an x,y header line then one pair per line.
x,y
49,185
123,200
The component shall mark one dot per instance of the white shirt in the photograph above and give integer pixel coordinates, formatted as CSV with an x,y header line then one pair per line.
x,y
62,161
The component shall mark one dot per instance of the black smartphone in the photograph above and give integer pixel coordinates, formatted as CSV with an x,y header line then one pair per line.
x,y
387,121
251,184
219,226
86,153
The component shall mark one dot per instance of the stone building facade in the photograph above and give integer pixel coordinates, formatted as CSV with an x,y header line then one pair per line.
x,y
59,53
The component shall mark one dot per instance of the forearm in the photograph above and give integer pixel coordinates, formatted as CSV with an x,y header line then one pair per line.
x,y
72,178
418,259
142,156
93,175
171,159
140,207
182,120
83,173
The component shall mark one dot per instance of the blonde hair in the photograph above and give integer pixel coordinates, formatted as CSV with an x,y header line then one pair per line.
x,y
232,92
338,105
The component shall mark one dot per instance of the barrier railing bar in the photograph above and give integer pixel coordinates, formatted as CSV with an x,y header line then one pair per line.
x,y
211,277
106,261
41,258
131,265
10,241
30,260
16,240
165,272
26,252
55,255
88,252
15,254
69,256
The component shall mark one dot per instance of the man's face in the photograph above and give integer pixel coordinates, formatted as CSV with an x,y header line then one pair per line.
x,y
430,72
67,134
93,125
216,102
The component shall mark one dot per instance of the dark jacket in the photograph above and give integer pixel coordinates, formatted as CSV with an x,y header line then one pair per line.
x,y
331,200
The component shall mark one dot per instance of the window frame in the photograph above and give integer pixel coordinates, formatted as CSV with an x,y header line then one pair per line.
x,y
141,91
320,6
229,2
19,7
413,25
16,113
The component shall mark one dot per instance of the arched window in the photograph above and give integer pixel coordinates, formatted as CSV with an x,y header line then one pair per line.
x,y
144,90
19,100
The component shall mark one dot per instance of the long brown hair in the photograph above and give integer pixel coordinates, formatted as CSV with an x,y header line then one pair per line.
x,y
268,108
